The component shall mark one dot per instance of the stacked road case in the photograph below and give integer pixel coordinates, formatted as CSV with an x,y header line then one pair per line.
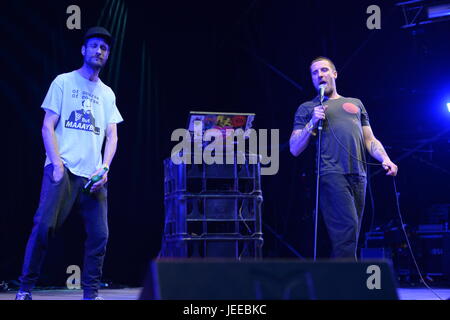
x,y
213,210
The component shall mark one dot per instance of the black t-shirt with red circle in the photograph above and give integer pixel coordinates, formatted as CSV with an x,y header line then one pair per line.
x,y
342,135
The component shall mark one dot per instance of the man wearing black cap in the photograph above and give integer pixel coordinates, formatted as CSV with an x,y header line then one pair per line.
x,y
80,112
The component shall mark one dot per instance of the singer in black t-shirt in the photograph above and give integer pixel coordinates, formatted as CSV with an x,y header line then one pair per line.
x,y
346,135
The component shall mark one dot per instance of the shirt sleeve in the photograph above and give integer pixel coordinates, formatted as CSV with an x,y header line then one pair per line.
x,y
364,115
302,116
53,99
114,114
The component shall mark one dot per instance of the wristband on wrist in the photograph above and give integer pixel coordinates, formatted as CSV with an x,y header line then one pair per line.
x,y
310,128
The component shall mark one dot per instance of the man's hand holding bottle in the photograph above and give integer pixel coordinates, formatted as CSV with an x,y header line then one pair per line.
x,y
97,180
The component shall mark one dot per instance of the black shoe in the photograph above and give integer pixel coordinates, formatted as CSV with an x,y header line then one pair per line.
x,y
24,295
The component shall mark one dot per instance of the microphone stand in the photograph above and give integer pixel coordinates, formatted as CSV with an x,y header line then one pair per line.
x,y
316,214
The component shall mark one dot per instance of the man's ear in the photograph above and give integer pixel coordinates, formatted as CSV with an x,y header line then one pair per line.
x,y
83,50
335,74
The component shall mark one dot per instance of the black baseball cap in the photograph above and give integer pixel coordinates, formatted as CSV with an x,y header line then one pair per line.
x,y
99,32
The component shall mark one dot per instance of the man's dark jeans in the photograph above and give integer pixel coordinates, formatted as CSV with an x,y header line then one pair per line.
x,y
341,201
56,201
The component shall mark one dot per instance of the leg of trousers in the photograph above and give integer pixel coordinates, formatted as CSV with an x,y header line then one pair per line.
x,y
342,199
56,202
94,212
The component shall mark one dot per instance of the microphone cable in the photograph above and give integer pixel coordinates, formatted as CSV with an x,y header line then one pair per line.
x,y
407,241
346,150
398,210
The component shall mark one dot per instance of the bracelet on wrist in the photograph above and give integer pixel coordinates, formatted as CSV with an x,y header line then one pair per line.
x,y
310,128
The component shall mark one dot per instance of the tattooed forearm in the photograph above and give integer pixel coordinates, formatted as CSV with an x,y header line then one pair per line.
x,y
377,151
300,138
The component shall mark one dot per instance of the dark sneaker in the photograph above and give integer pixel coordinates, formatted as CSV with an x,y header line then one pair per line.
x,y
23,295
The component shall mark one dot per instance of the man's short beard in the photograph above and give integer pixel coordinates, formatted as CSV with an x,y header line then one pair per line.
x,y
328,91
94,66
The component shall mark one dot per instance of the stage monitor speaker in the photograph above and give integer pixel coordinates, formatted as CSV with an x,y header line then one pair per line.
x,y
221,279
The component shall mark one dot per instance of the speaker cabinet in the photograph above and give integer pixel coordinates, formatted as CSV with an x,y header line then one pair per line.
x,y
208,279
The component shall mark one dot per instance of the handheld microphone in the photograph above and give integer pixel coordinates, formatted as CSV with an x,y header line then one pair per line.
x,y
322,97
322,92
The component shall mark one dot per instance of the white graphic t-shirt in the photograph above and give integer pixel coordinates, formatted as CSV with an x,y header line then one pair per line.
x,y
85,109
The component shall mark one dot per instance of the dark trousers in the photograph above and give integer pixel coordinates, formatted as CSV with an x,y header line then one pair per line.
x,y
341,201
56,202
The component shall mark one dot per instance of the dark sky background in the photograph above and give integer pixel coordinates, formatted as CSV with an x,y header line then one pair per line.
x,y
243,56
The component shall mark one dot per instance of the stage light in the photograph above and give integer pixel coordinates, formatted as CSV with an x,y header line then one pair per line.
x,y
439,11
448,106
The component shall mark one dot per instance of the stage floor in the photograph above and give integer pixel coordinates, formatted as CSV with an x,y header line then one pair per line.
x,y
133,294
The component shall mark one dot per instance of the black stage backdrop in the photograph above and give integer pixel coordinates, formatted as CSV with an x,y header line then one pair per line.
x,y
171,57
